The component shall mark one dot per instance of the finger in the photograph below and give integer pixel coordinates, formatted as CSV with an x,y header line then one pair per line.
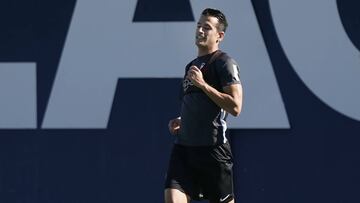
x,y
174,131
191,78
193,67
195,70
190,75
174,124
171,125
191,71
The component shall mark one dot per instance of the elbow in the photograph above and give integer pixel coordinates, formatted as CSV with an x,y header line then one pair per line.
x,y
235,111
237,108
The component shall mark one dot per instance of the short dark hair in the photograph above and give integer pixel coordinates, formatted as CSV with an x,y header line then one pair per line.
x,y
219,15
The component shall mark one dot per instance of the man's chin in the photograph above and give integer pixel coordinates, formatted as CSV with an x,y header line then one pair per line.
x,y
200,45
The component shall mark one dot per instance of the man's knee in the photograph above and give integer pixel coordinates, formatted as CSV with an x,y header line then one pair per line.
x,y
175,196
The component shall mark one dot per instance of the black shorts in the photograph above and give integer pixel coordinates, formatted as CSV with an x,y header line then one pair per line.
x,y
202,172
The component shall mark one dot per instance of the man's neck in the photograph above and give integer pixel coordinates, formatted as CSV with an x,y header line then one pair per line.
x,y
203,52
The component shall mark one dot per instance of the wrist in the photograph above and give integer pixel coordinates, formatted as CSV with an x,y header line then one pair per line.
x,y
204,86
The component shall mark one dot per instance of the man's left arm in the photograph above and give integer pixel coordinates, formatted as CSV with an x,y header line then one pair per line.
x,y
230,100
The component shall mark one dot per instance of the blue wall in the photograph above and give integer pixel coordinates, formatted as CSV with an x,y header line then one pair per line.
x,y
316,160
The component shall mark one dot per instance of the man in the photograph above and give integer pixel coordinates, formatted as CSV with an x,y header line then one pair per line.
x,y
201,162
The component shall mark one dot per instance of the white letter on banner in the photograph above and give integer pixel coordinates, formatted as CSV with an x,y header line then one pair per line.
x,y
320,51
18,95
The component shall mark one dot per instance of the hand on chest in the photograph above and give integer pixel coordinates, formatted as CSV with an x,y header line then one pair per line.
x,y
204,68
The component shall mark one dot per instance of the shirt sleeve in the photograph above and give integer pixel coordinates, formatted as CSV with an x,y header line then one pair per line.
x,y
229,73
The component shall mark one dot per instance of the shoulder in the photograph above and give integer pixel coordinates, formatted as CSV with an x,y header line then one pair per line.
x,y
224,60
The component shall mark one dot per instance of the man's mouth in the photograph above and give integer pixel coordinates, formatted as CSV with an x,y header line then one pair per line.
x,y
199,37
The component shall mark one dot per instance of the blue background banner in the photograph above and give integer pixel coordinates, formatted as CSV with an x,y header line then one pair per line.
x,y
316,159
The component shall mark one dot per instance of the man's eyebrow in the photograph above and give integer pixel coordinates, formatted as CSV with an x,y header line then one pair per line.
x,y
205,24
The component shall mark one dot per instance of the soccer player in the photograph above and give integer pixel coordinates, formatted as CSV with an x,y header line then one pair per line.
x,y
201,162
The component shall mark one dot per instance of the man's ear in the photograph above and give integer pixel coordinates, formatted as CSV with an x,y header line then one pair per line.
x,y
221,36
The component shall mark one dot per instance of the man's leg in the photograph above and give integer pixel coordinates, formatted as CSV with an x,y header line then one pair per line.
x,y
175,196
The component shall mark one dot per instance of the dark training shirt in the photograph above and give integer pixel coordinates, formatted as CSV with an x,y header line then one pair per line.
x,y
203,123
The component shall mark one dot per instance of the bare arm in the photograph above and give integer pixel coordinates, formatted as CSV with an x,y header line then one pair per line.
x,y
230,100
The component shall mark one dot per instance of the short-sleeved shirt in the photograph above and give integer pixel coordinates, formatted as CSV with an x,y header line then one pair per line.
x,y
203,123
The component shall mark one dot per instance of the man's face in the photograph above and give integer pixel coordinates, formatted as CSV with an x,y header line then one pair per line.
x,y
207,34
